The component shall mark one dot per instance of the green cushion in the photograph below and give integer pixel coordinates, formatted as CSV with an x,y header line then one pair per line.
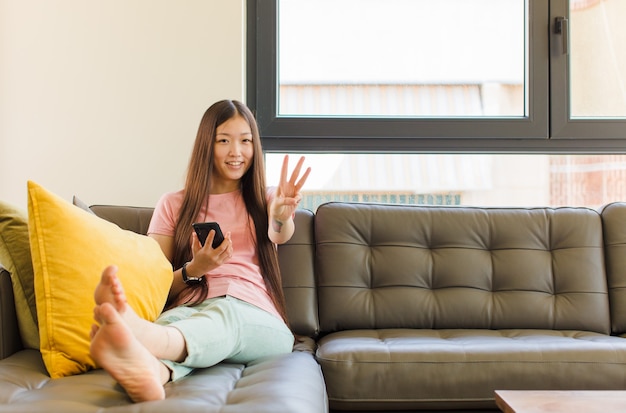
x,y
16,258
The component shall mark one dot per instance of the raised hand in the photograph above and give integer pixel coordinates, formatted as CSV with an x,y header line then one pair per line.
x,y
288,195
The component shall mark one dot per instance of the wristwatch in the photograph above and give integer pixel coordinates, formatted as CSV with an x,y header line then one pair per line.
x,y
190,280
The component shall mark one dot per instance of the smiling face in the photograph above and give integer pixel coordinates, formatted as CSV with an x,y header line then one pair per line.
x,y
233,152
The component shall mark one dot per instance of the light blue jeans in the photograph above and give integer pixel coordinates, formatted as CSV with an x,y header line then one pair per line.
x,y
225,329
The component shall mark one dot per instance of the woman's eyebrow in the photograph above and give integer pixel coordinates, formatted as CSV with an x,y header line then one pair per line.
x,y
228,134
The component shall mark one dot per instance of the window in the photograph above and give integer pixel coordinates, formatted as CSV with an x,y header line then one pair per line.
x,y
383,75
394,60
461,179
588,70
536,115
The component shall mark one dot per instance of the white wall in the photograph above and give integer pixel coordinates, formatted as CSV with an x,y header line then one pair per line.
x,y
102,99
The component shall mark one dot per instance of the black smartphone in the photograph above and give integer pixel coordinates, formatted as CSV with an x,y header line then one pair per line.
x,y
203,228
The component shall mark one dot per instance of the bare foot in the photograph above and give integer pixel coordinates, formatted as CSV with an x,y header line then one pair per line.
x,y
115,348
110,290
163,342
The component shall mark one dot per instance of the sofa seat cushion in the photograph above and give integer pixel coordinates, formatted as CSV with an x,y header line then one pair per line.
x,y
289,383
414,368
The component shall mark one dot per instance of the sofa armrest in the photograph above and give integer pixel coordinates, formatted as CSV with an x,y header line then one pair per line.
x,y
10,341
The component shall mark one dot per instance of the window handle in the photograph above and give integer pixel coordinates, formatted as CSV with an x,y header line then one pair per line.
x,y
561,26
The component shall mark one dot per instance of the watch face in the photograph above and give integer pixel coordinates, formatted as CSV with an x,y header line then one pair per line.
x,y
193,280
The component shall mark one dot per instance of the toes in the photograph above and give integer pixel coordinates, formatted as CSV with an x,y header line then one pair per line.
x,y
93,331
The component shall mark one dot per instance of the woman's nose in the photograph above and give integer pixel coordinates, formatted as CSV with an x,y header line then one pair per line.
x,y
235,148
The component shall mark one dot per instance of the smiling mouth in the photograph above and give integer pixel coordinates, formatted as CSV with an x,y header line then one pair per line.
x,y
234,163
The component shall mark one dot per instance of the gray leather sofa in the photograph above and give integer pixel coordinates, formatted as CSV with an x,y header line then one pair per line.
x,y
285,384
402,308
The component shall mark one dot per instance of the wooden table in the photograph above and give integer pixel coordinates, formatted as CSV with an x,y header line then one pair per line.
x,y
544,401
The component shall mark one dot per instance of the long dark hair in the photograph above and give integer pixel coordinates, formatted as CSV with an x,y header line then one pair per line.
x,y
253,188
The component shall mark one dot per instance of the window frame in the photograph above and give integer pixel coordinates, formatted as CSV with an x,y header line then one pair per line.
x,y
562,125
547,79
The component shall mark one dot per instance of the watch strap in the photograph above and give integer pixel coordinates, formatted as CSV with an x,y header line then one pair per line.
x,y
190,280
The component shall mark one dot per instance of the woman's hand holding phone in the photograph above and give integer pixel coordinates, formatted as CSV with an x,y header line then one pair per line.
x,y
203,229
210,247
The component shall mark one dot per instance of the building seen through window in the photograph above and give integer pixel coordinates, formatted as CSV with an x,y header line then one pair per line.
x,y
485,180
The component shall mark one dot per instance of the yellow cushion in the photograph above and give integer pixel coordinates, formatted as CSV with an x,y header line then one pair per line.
x,y
15,257
70,247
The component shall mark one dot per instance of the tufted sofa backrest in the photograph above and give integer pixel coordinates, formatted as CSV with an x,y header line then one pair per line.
x,y
136,219
397,266
614,225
